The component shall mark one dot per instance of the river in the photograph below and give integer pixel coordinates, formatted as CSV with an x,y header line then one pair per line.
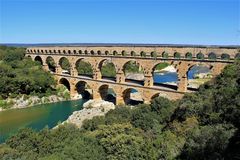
x,y
36,117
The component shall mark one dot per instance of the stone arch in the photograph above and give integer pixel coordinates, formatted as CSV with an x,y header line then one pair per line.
x,y
115,53
200,55
237,56
165,75
106,52
177,55
165,55
51,64
64,52
107,93
154,54
84,89
108,69
39,60
84,68
225,56
99,52
65,82
132,96
155,96
212,56
86,52
69,51
92,52
143,54
188,55
65,65
197,74
133,53
134,72
124,53
50,51
80,51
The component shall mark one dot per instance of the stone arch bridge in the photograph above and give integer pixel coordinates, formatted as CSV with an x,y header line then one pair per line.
x,y
181,57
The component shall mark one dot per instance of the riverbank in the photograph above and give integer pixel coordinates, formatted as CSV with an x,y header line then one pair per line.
x,y
24,102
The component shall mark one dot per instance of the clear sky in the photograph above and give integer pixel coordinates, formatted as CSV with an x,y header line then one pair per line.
x,y
120,21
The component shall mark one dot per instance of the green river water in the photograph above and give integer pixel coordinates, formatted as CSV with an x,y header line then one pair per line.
x,y
36,117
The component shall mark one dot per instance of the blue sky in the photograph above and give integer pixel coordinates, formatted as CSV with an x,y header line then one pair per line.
x,y
120,21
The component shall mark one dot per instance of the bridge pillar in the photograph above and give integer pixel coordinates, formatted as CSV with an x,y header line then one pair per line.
x,y
45,67
119,100
73,91
146,95
182,69
148,82
96,94
58,69
182,84
97,74
217,69
73,72
120,77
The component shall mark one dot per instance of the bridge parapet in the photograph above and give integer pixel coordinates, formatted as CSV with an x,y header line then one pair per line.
x,y
175,52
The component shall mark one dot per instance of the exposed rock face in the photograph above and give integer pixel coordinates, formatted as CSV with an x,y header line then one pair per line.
x,y
23,102
136,96
167,69
90,109
136,76
202,75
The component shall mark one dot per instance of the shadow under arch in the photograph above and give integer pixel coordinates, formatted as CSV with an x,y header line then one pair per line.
x,y
108,69
65,82
132,96
133,72
51,64
84,89
107,93
39,60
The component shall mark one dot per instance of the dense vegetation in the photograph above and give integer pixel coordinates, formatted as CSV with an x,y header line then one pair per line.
x,y
84,68
108,70
22,76
202,125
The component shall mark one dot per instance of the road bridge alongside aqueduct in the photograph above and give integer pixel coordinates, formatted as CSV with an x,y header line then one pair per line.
x,y
182,58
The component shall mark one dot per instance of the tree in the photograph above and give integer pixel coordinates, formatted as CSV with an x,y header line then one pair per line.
x,y
163,107
209,142
122,141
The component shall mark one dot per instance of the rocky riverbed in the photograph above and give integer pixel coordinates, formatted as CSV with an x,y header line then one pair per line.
x,y
90,109
24,102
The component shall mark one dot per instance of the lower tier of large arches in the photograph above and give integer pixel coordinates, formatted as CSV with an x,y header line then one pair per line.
x,y
113,92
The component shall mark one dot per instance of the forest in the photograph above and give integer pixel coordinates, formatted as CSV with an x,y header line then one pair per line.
x,y
202,125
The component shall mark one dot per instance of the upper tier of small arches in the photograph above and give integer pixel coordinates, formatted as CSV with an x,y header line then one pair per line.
x,y
153,54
